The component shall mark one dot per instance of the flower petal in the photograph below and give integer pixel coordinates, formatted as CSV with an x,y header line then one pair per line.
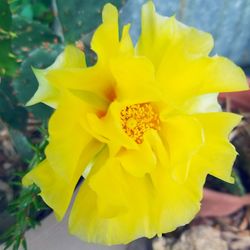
x,y
180,55
138,162
176,203
52,187
135,78
108,129
222,75
95,80
85,221
199,76
47,93
160,35
114,213
105,40
130,207
149,154
184,137
110,203
217,127
201,104
67,138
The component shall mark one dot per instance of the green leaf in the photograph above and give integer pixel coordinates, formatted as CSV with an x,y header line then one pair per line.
x,y
10,112
33,10
17,243
27,12
5,15
24,244
21,144
26,208
42,11
79,16
7,60
30,36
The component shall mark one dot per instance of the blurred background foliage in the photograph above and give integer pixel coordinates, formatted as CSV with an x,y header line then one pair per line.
x,y
227,21
32,34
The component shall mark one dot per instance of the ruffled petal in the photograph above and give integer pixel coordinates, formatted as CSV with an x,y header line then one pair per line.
x,y
184,137
57,191
222,75
108,129
217,127
97,81
198,76
47,93
113,213
94,80
67,138
161,36
146,157
134,75
180,56
130,207
175,203
85,221
201,104
158,146
110,203
105,40
138,162
54,191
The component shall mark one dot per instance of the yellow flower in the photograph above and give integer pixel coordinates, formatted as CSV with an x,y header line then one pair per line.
x,y
143,126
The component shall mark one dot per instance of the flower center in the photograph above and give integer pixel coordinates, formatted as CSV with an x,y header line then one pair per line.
x,y
137,119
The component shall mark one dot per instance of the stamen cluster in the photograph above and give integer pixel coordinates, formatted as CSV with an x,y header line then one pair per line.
x,y
136,119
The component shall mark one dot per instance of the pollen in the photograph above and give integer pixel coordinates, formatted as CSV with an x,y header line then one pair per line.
x,y
136,119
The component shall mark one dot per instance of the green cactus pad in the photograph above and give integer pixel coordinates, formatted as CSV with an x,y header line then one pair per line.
x,y
79,17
